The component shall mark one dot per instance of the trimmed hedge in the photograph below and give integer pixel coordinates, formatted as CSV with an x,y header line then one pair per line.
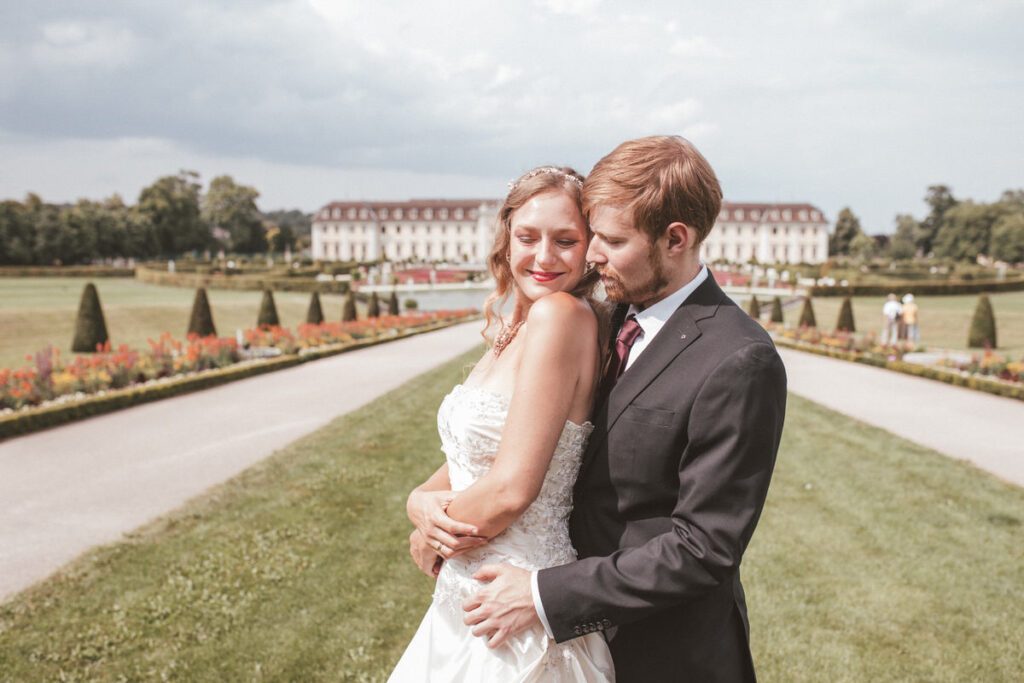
x,y
807,318
777,311
65,271
278,283
373,308
90,325
201,320
268,311
393,304
845,321
924,287
983,326
36,419
348,310
315,312
754,307
953,377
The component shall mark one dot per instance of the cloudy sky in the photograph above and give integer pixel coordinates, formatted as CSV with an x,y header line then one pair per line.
x,y
859,103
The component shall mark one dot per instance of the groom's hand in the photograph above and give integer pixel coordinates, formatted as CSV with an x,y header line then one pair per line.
x,y
503,607
448,537
423,555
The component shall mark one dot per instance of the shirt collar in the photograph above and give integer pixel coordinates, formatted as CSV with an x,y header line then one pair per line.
x,y
654,316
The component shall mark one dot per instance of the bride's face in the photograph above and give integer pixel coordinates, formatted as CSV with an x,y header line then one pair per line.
x,y
548,248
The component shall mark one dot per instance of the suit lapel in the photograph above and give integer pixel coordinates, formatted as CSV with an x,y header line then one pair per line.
x,y
679,332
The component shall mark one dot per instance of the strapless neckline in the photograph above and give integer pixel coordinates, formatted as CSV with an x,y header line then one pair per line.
x,y
505,399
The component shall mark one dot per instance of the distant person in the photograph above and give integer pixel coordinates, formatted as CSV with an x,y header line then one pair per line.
x,y
891,315
910,318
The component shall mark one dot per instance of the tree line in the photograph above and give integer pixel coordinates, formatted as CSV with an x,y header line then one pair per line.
x,y
173,216
961,230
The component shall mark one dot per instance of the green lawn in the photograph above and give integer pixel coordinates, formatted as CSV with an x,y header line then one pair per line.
x,y
944,319
36,312
876,560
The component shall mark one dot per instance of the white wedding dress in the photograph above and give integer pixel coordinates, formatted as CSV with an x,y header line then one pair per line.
x,y
470,421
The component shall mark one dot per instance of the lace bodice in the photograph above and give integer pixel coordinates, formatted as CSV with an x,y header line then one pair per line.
x,y
470,422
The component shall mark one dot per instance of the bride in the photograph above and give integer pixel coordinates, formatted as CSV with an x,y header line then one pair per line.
x,y
513,435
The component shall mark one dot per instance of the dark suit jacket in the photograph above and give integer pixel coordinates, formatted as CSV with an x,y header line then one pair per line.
x,y
669,492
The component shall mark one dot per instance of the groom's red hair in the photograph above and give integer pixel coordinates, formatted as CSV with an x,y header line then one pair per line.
x,y
660,180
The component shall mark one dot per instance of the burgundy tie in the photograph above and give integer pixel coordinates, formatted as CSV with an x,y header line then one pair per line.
x,y
628,333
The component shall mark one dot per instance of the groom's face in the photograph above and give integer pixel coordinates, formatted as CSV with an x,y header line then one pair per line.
x,y
630,265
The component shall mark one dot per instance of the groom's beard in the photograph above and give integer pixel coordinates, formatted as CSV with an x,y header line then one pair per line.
x,y
639,293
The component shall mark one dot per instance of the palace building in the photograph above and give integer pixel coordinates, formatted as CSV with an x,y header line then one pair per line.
x,y
769,233
462,231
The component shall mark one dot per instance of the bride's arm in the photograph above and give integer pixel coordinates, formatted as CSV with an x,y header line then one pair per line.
x,y
560,343
426,508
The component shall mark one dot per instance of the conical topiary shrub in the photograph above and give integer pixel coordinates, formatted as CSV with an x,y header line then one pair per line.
x,y
807,314
90,326
348,311
983,325
777,311
373,308
845,321
201,321
393,304
314,314
754,308
268,311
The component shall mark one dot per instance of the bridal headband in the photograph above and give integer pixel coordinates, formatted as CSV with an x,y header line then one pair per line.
x,y
544,169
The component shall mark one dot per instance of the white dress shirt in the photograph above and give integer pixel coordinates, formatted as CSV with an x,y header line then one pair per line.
x,y
651,320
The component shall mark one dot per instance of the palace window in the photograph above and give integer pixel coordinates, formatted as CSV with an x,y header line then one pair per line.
x,y
458,214
412,214
398,214
428,214
442,214
738,214
383,213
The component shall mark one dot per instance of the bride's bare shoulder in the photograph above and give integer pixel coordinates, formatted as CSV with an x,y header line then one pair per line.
x,y
560,315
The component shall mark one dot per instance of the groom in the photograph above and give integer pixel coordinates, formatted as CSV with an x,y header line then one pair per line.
x,y
686,431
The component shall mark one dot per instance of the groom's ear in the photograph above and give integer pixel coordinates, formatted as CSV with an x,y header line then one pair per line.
x,y
680,238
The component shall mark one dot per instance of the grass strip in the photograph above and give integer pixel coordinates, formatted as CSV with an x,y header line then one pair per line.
x,y
875,560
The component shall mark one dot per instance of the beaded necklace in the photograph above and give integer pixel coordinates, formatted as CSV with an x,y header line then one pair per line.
x,y
505,337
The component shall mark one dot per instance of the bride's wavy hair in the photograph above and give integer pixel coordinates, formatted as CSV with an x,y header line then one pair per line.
x,y
529,185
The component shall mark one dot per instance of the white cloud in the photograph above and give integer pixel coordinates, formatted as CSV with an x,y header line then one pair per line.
x,y
859,102
569,7
695,47
78,45
674,116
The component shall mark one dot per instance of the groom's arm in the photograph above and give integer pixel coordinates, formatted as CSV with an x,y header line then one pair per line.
x,y
733,435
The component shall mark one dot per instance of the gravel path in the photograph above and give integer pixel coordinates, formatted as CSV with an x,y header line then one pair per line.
x,y
962,423
65,490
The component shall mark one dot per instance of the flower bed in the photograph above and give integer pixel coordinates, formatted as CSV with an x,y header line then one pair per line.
x,y
988,372
50,391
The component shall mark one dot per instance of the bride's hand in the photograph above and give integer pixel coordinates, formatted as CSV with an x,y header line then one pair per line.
x,y
446,536
425,557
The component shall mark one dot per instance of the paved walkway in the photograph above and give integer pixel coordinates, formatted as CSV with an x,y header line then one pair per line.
x,y
962,423
68,489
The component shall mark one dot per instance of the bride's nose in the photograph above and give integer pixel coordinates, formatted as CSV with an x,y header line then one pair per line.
x,y
546,253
